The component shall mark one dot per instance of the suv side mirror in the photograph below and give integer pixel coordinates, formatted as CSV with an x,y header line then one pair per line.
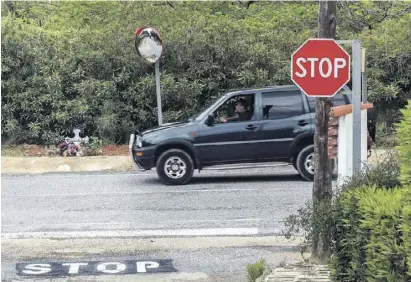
x,y
210,120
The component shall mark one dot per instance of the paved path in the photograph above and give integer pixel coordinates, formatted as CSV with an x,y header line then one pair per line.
x,y
299,273
121,206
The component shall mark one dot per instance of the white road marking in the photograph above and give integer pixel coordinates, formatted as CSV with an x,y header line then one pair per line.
x,y
131,222
216,220
126,193
73,174
141,233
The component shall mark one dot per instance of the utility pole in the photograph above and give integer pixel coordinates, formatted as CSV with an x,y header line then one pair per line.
x,y
322,190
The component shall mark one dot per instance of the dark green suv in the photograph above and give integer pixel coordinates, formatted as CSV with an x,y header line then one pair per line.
x,y
277,125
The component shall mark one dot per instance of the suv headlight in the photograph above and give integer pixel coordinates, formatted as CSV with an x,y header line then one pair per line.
x,y
139,142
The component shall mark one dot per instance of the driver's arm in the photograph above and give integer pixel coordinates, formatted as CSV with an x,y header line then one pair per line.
x,y
228,119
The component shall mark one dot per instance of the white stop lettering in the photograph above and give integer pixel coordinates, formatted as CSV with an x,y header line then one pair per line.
x,y
120,267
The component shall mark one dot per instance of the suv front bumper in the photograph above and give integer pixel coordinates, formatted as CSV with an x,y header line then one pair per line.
x,y
143,158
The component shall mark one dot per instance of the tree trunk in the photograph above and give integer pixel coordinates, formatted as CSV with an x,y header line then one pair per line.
x,y
322,190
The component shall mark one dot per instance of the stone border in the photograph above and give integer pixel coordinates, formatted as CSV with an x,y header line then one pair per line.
x,y
301,272
33,165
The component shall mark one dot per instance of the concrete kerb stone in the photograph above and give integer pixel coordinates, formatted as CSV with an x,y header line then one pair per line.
x,y
264,275
33,165
33,248
300,272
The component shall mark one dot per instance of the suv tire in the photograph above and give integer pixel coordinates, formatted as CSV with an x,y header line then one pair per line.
x,y
175,167
305,163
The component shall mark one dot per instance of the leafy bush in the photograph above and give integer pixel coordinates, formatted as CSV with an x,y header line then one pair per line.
x,y
255,270
384,174
93,148
72,64
404,147
307,220
371,236
406,229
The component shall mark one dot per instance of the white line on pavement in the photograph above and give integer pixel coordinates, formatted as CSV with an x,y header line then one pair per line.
x,y
131,222
149,173
138,233
74,174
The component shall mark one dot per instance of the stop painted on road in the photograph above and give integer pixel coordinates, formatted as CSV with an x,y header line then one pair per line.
x,y
94,268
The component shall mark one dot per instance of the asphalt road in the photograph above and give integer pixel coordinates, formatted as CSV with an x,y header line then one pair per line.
x,y
242,202
139,201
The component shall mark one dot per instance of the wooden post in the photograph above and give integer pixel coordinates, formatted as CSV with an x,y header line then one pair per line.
x,y
322,190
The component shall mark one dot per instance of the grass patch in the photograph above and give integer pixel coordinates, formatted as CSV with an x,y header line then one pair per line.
x,y
13,151
385,136
255,270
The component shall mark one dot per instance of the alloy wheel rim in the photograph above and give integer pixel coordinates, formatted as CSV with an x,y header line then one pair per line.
x,y
309,163
175,167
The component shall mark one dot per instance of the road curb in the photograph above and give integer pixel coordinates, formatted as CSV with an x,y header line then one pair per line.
x,y
299,272
80,247
36,165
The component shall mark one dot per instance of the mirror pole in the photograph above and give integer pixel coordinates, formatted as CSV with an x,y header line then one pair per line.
x,y
158,90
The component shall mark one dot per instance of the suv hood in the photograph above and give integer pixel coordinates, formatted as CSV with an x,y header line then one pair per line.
x,y
164,126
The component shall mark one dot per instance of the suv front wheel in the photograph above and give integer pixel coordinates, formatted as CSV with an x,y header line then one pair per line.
x,y
175,167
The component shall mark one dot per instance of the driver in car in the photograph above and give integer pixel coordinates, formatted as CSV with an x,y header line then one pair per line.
x,y
241,113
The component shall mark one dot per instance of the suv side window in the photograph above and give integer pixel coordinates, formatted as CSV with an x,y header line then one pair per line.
x,y
282,104
338,100
229,111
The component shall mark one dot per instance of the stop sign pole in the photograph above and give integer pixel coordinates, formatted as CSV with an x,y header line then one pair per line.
x,y
355,155
356,105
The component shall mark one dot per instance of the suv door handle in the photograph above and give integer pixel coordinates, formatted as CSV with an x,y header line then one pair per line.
x,y
302,123
251,127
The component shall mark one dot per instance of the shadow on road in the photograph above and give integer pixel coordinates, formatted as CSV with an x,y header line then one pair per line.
x,y
209,179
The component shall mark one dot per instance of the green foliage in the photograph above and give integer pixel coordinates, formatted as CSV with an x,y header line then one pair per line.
x,y
12,151
93,148
255,270
385,135
351,261
385,31
310,223
371,242
385,173
404,147
406,230
71,64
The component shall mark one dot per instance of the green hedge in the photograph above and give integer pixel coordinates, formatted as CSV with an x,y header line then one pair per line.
x,y
372,236
404,136
72,64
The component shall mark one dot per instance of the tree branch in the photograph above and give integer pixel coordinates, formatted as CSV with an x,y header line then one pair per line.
x,y
249,3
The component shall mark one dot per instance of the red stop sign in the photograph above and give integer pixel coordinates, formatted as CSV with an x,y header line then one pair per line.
x,y
320,67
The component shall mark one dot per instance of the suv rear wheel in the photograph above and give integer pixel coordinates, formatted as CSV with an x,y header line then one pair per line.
x,y
305,163
175,167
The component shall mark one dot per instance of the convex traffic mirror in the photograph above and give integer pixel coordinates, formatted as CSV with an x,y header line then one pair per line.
x,y
149,44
